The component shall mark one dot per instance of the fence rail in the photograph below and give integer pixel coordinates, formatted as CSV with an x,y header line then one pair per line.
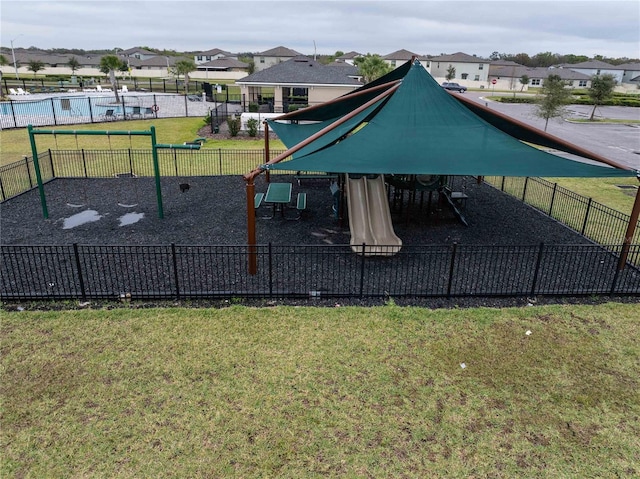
x,y
180,271
190,272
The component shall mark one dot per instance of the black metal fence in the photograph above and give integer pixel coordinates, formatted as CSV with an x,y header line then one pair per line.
x,y
72,110
591,219
191,272
184,271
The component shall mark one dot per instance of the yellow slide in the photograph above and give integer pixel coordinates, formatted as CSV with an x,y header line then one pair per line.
x,y
370,217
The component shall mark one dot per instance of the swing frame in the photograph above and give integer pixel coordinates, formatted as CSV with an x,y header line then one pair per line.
x,y
154,147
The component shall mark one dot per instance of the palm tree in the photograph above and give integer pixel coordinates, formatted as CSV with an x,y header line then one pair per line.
x,y
372,67
184,67
109,64
74,64
3,62
35,66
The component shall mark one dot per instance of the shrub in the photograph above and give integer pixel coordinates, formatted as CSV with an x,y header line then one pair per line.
x,y
207,118
253,107
234,125
252,125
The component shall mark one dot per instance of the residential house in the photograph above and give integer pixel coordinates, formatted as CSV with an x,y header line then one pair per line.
x,y
595,67
468,70
401,57
508,74
299,81
138,53
349,57
213,54
269,58
631,74
224,64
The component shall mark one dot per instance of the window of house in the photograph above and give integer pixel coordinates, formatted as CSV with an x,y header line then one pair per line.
x,y
393,63
261,59
481,66
199,58
208,59
598,72
464,76
476,78
582,83
535,82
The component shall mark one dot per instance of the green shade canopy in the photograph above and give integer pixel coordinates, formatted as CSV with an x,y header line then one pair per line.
x,y
422,129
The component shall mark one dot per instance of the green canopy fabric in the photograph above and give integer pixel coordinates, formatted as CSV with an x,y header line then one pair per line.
x,y
292,134
422,129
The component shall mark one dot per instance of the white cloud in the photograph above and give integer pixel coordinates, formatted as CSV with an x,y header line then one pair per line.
x,y
608,28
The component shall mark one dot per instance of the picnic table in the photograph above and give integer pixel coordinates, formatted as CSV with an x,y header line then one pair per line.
x,y
278,196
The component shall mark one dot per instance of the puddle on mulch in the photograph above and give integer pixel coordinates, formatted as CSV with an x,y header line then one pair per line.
x,y
130,218
87,216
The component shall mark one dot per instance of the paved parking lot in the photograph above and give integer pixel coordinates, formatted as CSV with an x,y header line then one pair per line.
x,y
619,142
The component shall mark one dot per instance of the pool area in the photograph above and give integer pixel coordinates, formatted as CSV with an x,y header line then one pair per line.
x,y
69,109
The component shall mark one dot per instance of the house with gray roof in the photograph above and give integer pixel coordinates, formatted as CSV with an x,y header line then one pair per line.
x,y
400,57
631,73
508,74
349,57
137,52
469,70
300,81
269,58
213,54
223,64
595,67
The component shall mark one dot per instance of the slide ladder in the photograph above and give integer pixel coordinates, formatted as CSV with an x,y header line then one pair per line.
x,y
370,217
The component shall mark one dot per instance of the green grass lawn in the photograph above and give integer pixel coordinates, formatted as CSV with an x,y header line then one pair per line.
x,y
305,392
15,143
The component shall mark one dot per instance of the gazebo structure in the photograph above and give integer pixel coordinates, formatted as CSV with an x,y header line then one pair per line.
x,y
406,124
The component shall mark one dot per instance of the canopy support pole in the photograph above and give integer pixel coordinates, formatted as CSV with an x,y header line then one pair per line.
x,y
631,230
266,148
251,229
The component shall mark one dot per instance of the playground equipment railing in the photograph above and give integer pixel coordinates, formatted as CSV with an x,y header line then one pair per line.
x,y
83,272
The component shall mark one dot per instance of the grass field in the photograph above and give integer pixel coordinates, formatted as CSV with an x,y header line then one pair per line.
x,y
15,143
337,392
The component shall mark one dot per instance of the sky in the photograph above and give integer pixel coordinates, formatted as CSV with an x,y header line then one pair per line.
x,y
580,27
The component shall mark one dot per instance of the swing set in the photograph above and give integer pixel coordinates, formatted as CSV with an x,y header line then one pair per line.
x,y
154,147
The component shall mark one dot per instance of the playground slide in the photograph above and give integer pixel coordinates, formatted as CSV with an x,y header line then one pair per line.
x,y
370,218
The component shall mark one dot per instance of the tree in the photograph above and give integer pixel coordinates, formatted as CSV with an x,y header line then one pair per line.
x,y
35,66
372,67
524,81
451,73
552,99
3,62
601,89
249,61
184,67
73,64
109,64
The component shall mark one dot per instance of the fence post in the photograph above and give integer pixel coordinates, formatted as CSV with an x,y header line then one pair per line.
x,y
220,159
270,272
186,106
53,111
524,189
174,261
13,114
84,164
451,268
502,184
26,164
362,271
586,217
130,163
3,195
90,109
614,283
76,254
553,197
534,283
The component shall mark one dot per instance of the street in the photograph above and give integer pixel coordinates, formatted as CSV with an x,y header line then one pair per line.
x,y
618,142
